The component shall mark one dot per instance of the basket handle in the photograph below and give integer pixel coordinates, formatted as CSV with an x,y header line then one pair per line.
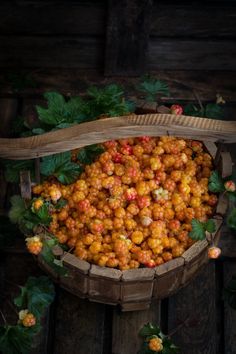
x,y
118,127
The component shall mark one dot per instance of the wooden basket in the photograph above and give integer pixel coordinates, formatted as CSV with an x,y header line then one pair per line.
x,y
132,289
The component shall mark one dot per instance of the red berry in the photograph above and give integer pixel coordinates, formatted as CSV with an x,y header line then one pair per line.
x,y
126,150
117,157
150,264
176,109
130,194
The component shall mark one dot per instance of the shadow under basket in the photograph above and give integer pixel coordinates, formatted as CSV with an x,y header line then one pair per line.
x,y
131,289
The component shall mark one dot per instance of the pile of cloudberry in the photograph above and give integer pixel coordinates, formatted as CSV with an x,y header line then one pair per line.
x,y
133,206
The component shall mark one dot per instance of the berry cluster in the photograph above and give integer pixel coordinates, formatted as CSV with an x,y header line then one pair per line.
x,y
133,206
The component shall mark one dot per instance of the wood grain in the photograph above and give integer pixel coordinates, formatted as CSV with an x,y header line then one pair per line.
x,y
193,20
126,326
188,54
52,18
229,313
79,325
127,37
63,52
195,304
119,127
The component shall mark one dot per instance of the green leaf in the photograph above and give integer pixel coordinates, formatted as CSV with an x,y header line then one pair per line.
x,y
231,219
48,256
53,114
89,153
213,110
61,167
37,294
12,169
43,214
60,204
17,339
152,87
210,226
229,293
17,210
192,110
198,230
38,131
149,329
216,184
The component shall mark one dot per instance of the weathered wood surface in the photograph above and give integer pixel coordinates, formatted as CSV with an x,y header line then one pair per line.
x,y
187,54
79,325
229,313
126,326
118,127
195,310
193,20
127,37
53,18
54,51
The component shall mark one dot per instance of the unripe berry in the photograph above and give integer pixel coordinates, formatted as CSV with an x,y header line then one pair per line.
x,y
230,186
214,252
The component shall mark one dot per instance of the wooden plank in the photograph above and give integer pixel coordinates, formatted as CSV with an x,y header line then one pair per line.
x,y
181,83
126,326
8,109
229,313
228,242
195,306
185,54
53,18
127,37
61,52
79,325
193,20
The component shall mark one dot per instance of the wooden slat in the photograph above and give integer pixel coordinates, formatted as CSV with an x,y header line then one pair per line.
x,y
33,52
52,18
193,20
119,127
8,109
79,325
126,326
184,54
229,313
195,304
127,37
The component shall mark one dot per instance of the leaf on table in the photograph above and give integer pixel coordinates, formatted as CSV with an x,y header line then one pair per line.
x,y
17,339
152,87
37,294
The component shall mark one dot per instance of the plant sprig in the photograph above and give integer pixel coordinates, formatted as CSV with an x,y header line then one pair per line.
x,y
35,297
151,331
199,229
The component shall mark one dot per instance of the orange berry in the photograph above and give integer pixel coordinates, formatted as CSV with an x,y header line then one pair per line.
x,y
34,244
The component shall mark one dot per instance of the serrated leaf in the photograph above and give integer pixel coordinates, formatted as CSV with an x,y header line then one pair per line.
x,y
198,230
61,167
37,294
12,169
213,110
43,215
17,339
89,153
192,110
231,219
216,184
149,329
17,210
152,87
210,226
